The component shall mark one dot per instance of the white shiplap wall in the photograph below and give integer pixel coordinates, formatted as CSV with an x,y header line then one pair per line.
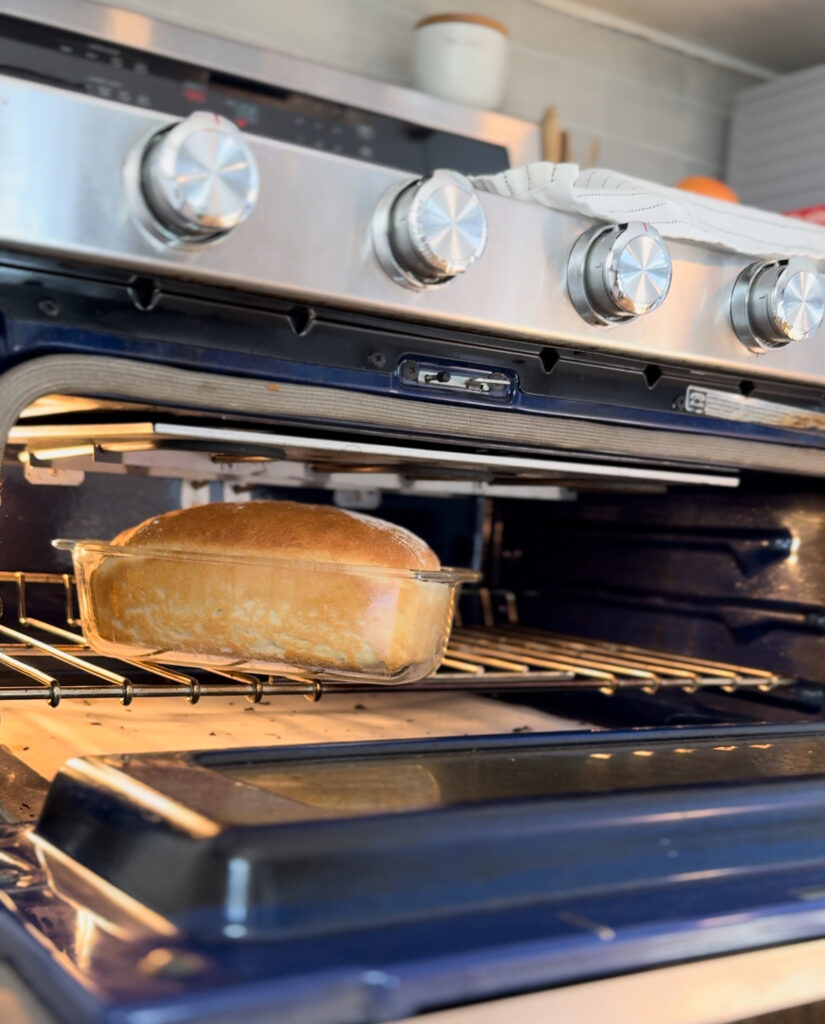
x,y
658,113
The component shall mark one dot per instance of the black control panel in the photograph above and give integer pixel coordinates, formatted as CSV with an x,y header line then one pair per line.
x,y
68,60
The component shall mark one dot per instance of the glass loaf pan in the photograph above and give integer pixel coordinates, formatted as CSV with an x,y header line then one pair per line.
x,y
263,614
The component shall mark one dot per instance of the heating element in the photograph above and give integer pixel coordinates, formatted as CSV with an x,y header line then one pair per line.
x,y
60,664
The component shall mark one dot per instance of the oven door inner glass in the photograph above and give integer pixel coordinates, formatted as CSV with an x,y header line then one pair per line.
x,y
376,785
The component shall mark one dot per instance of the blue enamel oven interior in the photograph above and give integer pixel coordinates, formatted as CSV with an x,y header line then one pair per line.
x,y
675,826
729,574
672,826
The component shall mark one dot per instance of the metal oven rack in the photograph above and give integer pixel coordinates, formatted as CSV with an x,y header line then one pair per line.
x,y
46,661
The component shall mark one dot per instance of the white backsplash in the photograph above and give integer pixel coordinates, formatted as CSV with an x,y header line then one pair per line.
x,y
657,113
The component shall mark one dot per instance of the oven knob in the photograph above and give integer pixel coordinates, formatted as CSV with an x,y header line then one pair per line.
x,y
776,302
199,177
619,272
429,231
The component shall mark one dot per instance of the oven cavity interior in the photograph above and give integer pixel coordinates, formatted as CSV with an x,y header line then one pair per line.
x,y
600,576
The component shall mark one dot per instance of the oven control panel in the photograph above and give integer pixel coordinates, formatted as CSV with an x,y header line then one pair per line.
x,y
57,57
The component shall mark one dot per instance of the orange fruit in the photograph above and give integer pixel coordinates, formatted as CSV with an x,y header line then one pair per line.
x,y
709,187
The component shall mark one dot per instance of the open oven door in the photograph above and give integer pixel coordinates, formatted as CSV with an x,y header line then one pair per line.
x,y
369,882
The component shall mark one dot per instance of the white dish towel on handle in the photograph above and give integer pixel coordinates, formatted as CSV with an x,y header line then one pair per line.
x,y
617,198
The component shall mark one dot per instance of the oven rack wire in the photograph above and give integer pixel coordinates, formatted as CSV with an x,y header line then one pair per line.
x,y
491,656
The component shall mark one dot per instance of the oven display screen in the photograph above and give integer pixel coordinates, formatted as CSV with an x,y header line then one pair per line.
x,y
68,60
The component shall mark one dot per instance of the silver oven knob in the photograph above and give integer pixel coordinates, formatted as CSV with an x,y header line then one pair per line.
x,y
199,177
619,272
429,231
776,302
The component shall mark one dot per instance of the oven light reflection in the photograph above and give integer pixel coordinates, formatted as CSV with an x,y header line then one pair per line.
x,y
760,746
683,750
50,454
86,937
135,28
726,748
237,897
643,753
601,757
726,919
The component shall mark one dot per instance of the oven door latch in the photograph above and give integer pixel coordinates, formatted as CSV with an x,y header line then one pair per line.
x,y
496,384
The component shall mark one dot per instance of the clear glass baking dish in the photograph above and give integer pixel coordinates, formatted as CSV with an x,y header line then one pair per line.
x,y
262,614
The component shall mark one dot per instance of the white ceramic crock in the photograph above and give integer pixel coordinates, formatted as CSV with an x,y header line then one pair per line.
x,y
461,57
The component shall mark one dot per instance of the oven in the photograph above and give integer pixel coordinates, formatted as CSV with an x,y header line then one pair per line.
x,y
251,279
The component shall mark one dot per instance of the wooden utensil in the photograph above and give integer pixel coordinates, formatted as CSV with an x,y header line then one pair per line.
x,y
592,154
551,136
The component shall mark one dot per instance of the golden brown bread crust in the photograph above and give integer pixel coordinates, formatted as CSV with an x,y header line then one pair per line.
x,y
330,622
284,529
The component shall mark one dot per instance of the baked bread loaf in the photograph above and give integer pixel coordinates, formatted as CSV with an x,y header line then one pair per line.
x,y
283,529
264,585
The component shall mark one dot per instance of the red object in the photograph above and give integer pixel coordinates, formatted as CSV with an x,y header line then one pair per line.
x,y
195,95
240,122
814,214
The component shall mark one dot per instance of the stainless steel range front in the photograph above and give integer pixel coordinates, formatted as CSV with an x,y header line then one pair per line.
x,y
198,200
229,276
